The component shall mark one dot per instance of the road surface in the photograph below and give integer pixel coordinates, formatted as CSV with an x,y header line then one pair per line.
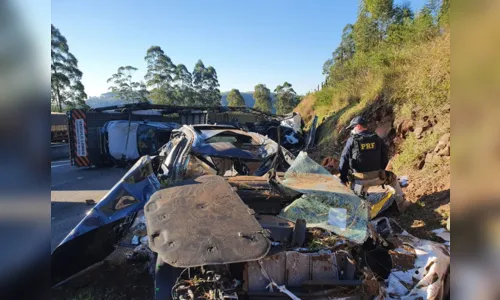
x,y
70,187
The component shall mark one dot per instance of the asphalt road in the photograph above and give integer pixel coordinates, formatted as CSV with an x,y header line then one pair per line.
x,y
70,187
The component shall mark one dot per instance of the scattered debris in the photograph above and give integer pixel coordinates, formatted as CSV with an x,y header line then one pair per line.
x,y
403,181
319,234
426,279
90,202
139,225
402,260
371,285
442,233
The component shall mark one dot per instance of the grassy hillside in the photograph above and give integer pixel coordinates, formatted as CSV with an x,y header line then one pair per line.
x,y
402,86
415,84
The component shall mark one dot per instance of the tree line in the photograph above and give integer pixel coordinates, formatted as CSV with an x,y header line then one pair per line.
x,y
167,83
164,83
286,98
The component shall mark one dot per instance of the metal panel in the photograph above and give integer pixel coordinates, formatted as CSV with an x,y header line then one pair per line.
x,y
292,269
297,267
324,267
275,268
203,222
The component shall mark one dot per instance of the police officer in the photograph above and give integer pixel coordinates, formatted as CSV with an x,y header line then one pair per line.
x,y
365,157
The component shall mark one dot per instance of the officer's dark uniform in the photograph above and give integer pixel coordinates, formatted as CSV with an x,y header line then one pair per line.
x,y
365,157
363,152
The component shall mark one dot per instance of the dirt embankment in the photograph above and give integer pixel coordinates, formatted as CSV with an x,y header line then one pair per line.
x,y
420,149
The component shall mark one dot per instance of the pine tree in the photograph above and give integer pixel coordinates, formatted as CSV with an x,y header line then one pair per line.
x,y
67,90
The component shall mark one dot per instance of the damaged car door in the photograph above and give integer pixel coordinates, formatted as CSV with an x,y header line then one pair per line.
x,y
104,225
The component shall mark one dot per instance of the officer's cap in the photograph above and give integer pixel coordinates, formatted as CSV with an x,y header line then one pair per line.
x,y
355,121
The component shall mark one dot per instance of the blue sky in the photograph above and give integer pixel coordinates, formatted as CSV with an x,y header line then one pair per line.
x,y
247,42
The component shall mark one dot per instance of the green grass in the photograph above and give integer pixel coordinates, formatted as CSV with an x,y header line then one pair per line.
x,y
412,150
413,78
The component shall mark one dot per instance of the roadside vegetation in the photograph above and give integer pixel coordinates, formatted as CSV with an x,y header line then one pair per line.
x,y
393,67
392,56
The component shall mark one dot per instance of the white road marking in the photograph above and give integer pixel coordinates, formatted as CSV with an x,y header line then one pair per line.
x,y
60,161
59,165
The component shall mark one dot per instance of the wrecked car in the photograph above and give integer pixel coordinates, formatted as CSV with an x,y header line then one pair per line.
x,y
291,127
124,141
227,214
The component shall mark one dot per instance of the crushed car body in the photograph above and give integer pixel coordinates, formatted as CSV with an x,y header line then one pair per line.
x,y
128,140
230,214
291,126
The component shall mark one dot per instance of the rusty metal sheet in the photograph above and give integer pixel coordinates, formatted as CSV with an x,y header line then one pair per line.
x,y
324,267
292,269
275,267
203,222
250,182
297,265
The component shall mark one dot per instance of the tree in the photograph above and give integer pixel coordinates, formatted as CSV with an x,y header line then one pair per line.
x,y
126,89
159,75
211,85
183,86
346,49
401,28
263,100
67,89
424,27
379,9
365,32
444,14
327,66
206,85
286,98
402,13
198,73
234,98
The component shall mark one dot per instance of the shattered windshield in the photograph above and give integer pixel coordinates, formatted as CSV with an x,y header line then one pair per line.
x,y
325,202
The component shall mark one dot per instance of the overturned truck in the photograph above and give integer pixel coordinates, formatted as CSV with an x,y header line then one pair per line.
x,y
223,213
